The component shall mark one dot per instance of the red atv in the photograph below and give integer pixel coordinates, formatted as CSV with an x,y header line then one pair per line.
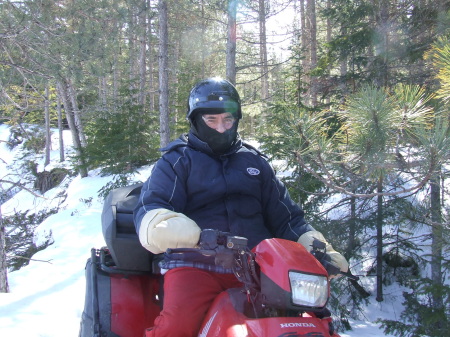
x,y
285,287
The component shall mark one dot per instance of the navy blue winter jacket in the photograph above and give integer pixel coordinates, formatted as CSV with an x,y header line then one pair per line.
x,y
236,192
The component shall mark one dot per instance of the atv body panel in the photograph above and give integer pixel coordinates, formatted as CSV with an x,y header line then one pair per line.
x,y
225,319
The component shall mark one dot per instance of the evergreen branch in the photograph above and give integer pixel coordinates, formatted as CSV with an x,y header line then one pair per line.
x,y
422,236
341,188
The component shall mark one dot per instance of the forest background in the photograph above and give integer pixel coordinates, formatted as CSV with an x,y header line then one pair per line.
x,y
351,95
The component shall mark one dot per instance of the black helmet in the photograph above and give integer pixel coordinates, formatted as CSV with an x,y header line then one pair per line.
x,y
214,94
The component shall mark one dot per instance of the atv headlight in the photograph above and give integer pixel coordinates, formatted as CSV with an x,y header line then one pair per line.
x,y
308,290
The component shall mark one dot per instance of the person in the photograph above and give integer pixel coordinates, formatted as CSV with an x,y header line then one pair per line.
x,y
211,179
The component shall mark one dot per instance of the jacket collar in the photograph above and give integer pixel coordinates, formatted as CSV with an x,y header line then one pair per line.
x,y
200,145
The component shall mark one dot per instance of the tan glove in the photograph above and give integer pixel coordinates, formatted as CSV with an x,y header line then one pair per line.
x,y
162,229
338,260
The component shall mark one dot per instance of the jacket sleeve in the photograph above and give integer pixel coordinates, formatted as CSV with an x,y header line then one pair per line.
x,y
165,188
284,217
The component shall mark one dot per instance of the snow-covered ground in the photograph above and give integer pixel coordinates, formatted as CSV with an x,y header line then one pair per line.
x,y
46,297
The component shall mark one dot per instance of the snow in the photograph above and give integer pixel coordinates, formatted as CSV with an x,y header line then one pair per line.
x,y
46,297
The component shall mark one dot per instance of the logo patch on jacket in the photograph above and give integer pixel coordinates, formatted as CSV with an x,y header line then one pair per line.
x,y
252,171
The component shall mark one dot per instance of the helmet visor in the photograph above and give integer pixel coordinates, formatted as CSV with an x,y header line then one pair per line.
x,y
203,105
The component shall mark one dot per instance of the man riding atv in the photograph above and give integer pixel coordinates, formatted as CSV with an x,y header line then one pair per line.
x,y
211,179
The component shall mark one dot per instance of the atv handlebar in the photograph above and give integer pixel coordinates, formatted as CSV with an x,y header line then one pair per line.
x,y
226,245
212,239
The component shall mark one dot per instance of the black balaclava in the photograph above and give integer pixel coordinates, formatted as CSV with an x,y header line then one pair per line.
x,y
220,143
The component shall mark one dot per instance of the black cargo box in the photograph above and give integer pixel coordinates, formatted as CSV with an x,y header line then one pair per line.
x,y
119,230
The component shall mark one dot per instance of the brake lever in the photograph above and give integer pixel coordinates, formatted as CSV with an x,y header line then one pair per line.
x,y
349,275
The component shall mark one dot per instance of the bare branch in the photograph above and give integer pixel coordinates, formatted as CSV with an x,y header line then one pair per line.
x,y
17,184
30,259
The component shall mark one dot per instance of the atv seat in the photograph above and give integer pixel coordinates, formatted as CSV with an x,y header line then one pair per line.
x,y
119,230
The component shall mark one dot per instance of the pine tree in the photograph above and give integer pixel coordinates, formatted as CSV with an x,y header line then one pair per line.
x,y
120,141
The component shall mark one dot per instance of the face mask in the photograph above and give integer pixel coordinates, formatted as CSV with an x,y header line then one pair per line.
x,y
218,142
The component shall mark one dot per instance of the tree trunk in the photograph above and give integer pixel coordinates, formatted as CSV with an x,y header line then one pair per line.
x,y
163,74
263,51
174,79
311,18
48,135
4,286
202,4
76,113
329,23
437,241
343,58
102,92
60,128
305,60
231,42
329,35
73,129
382,49
115,86
264,68
151,85
379,257
352,228
143,18
132,56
